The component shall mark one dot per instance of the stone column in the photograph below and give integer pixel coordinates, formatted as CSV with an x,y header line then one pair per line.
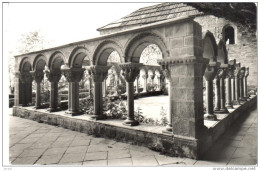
x,y
186,75
245,82
167,75
145,76
217,93
152,80
137,84
230,75
158,82
18,89
210,74
130,72
98,74
38,77
222,73
236,80
104,87
54,77
26,87
73,76
241,84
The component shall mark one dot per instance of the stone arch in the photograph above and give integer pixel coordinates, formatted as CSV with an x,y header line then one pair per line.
x,y
77,56
209,47
25,65
136,45
104,49
39,62
222,52
56,60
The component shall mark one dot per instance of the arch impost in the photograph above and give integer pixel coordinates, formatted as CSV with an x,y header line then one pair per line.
x,y
98,72
73,74
174,61
37,75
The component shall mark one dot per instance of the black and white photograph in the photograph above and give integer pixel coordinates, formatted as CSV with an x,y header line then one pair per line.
x,y
130,84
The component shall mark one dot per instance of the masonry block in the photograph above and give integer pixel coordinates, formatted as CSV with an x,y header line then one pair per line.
x,y
176,42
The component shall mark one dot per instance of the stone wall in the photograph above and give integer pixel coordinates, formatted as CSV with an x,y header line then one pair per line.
x,y
245,48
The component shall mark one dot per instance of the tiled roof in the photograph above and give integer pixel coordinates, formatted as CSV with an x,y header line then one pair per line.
x,y
153,14
244,13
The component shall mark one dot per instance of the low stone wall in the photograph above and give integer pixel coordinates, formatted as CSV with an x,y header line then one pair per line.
x,y
144,135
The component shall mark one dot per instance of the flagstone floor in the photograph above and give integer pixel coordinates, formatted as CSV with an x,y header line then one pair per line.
x,y
33,143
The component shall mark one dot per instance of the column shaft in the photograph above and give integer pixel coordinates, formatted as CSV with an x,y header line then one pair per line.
x,y
54,97
98,101
233,89
223,108
209,97
236,101
74,98
38,95
217,95
228,85
245,87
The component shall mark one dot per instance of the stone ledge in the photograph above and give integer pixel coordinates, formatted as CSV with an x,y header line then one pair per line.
x,y
145,135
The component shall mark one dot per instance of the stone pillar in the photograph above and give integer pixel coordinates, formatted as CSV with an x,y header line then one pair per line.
x,y
18,89
145,76
222,73
73,76
245,82
186,75
38,77
104,87
98,74
137,84
167,75
130,72
152,80
230,75
241,84
159,87
236,80
54,77
210,74
26,88
217,93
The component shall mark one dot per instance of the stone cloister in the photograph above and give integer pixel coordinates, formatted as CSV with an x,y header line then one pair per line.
x,y
190,60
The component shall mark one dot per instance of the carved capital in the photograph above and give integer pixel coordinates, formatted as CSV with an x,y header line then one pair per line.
x,y
130,70
211,71
53,75
73,74
242,73
26,77
237,72
97,72
37,75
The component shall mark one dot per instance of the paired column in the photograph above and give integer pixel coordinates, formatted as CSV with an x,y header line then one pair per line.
x,y
222,73
245,82
98,74
38,77
209,75
152,81
130,72
73,76
54,77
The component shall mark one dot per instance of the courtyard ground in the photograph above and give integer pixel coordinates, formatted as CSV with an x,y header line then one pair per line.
x,y
33,143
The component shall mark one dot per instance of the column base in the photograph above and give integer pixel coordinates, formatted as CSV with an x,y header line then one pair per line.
x,y
98,117
168,129
38,107
242,99
210,117
236,102
53,109
74,113
222,111
229,106
130,122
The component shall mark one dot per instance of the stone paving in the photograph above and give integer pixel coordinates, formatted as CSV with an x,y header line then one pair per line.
x,y
33,143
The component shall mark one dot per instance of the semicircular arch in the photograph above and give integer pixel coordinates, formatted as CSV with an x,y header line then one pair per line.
x,y
209,47
77,56
56,60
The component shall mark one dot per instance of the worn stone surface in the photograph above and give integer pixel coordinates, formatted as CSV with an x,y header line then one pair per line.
x,y
236,147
